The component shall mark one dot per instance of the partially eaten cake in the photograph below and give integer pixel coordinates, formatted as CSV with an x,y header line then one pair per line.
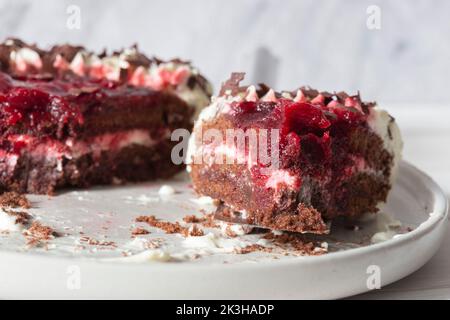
x,y
292,160
69,117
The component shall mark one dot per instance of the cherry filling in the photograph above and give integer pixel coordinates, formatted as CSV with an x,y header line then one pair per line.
x,y
35,104
39,104
307,131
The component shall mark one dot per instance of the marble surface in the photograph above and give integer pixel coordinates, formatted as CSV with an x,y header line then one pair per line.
x,y
323,43
404,65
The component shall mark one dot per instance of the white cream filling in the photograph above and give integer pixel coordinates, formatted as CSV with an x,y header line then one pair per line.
x,y
73,149
388,226
166,190
24,57
203,200
387,129
219,105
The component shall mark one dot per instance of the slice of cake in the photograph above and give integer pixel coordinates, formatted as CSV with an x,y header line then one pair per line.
x,y
292,160
72,118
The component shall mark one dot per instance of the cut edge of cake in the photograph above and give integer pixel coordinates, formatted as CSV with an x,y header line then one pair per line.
x,y
237,203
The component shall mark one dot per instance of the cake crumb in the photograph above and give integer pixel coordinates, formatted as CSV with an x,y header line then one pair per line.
x,y
139,231
14,200
289,241
209,221
193,219
252,248
38,234
21,217
167,227
95,242
194,231
171,227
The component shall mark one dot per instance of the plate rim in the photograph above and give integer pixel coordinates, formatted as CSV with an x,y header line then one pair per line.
x,y
438,214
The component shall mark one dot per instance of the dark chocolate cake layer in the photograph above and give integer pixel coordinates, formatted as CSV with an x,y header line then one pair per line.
x,y
332,155
39,174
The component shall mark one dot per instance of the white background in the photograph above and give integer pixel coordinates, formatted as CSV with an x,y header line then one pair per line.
x,y
323,43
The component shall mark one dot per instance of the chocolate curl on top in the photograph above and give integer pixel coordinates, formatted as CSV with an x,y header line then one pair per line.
x,y
231,86
302,94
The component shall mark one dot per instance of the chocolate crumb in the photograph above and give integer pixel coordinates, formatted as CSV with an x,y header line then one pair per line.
x,y
193,219
209,221
139,231
171,227
38,233
14,200
95,242
167,227
291,241
22,217
194,231
252,248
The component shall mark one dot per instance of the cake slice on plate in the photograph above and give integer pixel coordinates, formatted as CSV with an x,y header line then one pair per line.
x,y
69,117
292,160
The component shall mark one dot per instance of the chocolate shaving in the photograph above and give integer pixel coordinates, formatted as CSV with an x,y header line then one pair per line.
x,y
341,96
309,92
262,90
138,59
67,51
231,86
391,120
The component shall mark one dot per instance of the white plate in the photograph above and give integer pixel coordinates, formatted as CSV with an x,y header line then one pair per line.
x,y
64,271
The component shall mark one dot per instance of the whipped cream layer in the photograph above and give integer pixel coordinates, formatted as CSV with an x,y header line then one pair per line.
x,y
58,150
